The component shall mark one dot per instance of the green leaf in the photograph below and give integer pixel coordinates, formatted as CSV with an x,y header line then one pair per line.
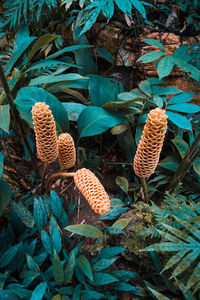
x,y
115,202
101,278
158,295
47,79
46,241
69,269
170,163
91,295
185,108
192,70
149,57
140,7
5,117
5,196
158,101
157,90
113,213
39,214
39,291
122,286
179,120
27,97
73,110
102,90
145,87
123,183
85,230
165,66
56,240
181,98
105,54
56,204
24,214
155,43
85,266
196,165
111,251
103,263
95,120
7,256
119,225
58,272
1,163
40,43
181,145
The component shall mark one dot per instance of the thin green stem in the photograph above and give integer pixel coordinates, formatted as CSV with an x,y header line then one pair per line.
x,y
18,122
144,188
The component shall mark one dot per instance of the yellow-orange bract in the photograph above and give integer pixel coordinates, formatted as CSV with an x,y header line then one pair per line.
x,y
150,145
45,132
93,191
66,151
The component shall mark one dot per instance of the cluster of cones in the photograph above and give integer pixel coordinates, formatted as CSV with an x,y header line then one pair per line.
x,y
49,147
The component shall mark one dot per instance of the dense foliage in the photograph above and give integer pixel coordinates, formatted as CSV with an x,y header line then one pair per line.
x,y
50,53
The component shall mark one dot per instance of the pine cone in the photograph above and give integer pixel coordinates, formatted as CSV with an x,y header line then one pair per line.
x,y
45,132
66,151
93,191
150,145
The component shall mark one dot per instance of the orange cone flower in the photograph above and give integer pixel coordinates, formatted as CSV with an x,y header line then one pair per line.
x,y
150,145
66,151
93,191
45,132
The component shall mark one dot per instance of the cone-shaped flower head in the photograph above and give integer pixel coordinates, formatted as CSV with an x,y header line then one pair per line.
x,y
66,151
150,145
45,132
93,191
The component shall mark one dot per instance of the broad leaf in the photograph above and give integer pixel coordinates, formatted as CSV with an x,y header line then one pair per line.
x,y
119,225
103,263
85,230
123,183
5,196
73,110
5,117
58,272
155,43
24,214
39,291
69,269
85,266
181,145
185,108
101,278
149,57
111,251
179,120
165,66
181,98
95,120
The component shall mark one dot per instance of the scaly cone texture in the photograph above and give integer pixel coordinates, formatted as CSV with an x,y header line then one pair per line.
x,y
93,191
45,132
150,145
66,151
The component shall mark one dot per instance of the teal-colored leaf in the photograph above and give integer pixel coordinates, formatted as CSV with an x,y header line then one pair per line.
x,y
181,52
105,54
196,165
140,7
46,241
157,295
56,204
77,292
5,196
149,57
111,251
58,272
123,275
123,183
5,117
102,90
170,163
165,66
39,214
95,120
28,96
33,267
73,110
19,290
155,43
158,101
68,49
85,230
7,295
181,145
181,98
157,90
145,87
115,202
40,43
1,163
84,265
126,287
69,269
190,69
91,295
47,79
113,213
179,120
39,291
56,240
185,107
7,256
101,278
24,214
103,263
119,225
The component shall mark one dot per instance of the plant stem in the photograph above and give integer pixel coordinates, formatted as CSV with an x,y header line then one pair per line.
x,y
43,177
144,188
16,118
185,164
60,174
